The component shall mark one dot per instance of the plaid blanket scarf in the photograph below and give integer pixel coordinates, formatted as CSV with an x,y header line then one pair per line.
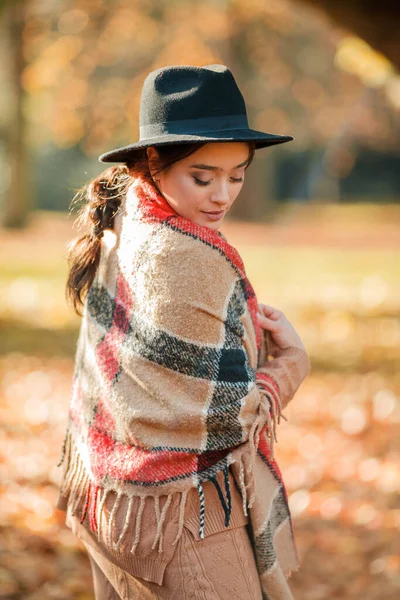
x,y
173,382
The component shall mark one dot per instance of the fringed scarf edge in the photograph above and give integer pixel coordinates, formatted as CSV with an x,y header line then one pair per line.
x,y
77,483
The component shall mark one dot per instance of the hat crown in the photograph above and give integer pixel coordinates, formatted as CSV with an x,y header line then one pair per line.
x,y
185,92
183,104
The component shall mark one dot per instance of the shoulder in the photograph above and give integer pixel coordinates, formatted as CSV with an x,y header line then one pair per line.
x,y
185,286
182,260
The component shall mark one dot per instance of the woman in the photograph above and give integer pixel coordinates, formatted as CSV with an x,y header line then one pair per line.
x,y
169,474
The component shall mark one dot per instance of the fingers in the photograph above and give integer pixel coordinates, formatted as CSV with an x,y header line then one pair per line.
x,y
269,311
271,324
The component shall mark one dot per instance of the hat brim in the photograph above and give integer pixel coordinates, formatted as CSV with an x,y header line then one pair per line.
x,y
261,139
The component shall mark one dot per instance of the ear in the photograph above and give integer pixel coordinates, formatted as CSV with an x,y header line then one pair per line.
x,y
152,157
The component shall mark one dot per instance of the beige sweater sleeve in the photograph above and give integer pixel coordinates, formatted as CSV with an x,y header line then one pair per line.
x,y
289,367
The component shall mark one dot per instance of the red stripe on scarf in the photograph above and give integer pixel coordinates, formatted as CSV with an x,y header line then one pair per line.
x,y
123,461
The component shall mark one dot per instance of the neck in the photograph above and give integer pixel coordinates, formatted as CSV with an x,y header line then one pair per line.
x,y
151,199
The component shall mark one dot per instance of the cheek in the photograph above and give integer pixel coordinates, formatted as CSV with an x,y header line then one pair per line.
x,y
185,195
194,194
235,192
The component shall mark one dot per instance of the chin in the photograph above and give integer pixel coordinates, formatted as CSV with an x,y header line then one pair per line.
x,y
216,225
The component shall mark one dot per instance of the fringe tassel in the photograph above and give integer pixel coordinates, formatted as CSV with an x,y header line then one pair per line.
x,y
227,506
78,489
63,450
111,519
102,501
138,524
160,519
253,442
126,523
156,500
202,511
72,465
250,483
272,393
79,474
81,492
89,489
268,407
181,515
221,497
228,495
92,511
243,487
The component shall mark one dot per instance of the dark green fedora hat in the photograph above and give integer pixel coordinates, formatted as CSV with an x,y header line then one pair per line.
x,y
186,104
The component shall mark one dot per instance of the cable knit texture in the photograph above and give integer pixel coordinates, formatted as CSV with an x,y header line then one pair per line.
x,y
176,388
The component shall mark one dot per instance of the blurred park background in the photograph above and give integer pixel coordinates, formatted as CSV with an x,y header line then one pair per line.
x,y
317,224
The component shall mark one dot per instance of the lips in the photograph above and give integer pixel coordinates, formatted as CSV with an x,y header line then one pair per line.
x,y
214,216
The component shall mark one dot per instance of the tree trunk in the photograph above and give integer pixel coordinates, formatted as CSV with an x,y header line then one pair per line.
x,y
16,199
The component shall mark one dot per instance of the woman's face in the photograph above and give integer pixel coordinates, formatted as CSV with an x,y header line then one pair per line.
x,y
208,180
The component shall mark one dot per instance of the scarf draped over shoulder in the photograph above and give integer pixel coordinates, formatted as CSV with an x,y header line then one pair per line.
x,y
174,380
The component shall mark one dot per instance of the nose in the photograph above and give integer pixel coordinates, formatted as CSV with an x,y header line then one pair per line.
x,y
220,196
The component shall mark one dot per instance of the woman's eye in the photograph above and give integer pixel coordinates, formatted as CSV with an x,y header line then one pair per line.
x,y
200,182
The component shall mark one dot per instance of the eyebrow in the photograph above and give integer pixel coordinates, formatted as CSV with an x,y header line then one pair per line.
x,y
210,168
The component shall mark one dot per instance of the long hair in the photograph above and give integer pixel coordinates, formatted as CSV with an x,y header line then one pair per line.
x,y
102,197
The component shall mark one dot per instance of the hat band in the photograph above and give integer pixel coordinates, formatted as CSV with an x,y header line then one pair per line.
x,y
194,126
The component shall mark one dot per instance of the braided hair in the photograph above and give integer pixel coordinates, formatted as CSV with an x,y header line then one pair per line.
x,y
103,196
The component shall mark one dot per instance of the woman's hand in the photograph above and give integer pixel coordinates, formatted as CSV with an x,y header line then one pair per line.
x,y
282,332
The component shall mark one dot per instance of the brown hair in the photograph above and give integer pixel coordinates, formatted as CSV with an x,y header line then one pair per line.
x,y
102,197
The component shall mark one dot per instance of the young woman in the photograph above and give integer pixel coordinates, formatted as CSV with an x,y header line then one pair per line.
x,y
180,375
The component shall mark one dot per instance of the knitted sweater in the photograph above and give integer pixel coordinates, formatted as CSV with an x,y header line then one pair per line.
x,y
174,383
